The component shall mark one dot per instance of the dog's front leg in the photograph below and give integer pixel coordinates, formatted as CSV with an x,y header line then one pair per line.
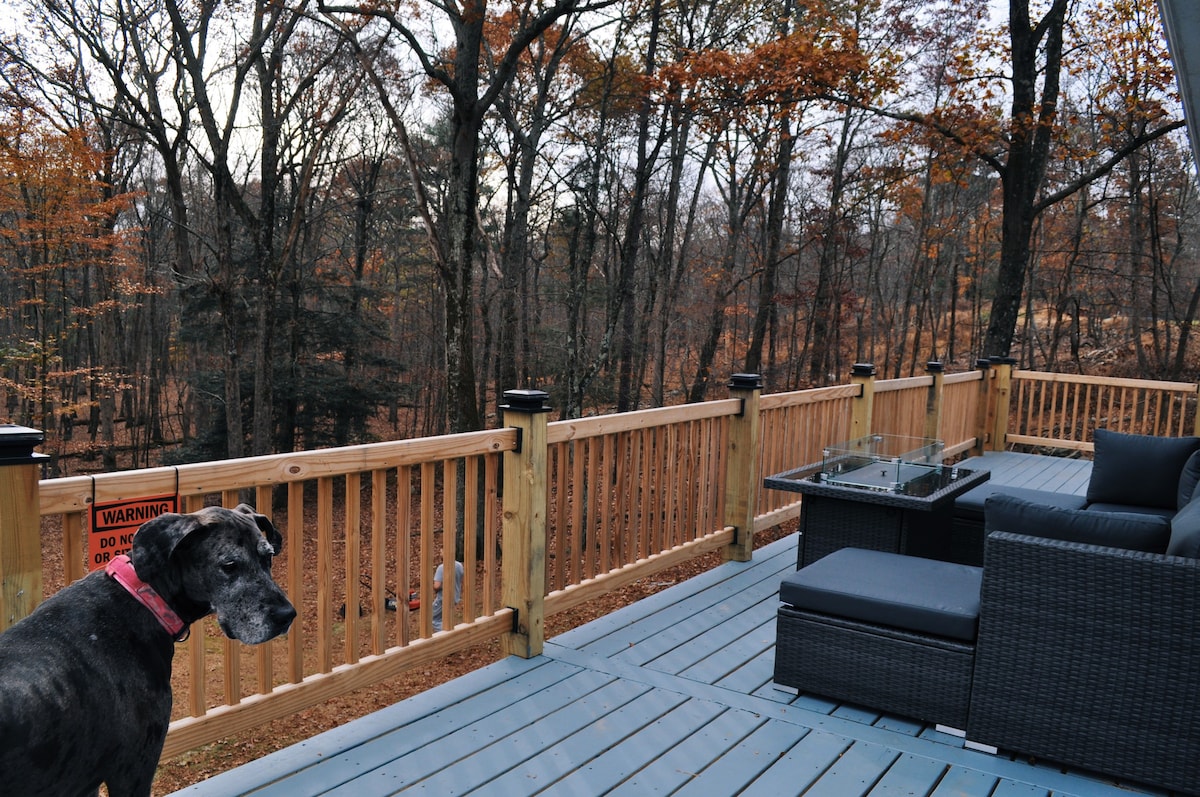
x,y
131,784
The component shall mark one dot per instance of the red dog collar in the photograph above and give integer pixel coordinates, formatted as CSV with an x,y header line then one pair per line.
x,y
121,569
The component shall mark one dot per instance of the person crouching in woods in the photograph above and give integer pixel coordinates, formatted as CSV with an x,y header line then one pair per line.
x,y
438,580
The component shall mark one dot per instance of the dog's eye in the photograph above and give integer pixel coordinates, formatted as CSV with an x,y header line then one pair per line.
x,y
229,566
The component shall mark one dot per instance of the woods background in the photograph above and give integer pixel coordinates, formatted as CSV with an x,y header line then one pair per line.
x,y
247,227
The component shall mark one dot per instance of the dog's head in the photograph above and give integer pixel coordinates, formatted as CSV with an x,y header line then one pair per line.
x,y
216,560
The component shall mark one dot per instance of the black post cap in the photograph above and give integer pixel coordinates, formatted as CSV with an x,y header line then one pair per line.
x,y
862,369
17,444
745,382
524,400
934,367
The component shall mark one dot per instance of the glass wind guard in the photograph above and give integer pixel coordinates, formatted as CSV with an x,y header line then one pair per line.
x,y
891,463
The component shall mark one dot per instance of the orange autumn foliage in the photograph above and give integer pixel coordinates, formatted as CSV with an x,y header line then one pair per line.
x,y
812,63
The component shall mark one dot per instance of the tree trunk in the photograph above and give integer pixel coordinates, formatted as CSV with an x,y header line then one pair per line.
x,y
459,272
825,306
1030,131
764,316
631,246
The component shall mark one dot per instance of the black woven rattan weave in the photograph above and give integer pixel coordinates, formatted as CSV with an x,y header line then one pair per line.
x,y
966,541
828,526
1090,656
912,675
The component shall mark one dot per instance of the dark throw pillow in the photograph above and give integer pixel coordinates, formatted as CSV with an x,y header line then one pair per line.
x,y
1189,477
1138,469
1129,530
1185,532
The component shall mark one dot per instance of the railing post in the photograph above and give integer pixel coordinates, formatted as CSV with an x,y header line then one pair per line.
x,y
523,525
20,523
933,400
741,467
983,407
1003,389
863,411
1196,417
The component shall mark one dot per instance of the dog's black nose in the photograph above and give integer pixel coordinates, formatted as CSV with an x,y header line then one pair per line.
x,y
282,616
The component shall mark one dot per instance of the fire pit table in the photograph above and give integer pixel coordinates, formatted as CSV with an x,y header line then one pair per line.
x,y
880,492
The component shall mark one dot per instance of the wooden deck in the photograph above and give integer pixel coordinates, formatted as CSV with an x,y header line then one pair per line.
x,y
671,695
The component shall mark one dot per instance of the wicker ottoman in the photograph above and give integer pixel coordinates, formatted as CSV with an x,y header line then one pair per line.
x,y
883,630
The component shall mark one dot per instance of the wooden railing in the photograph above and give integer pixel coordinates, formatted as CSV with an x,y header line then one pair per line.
x,y
544,516
1062,410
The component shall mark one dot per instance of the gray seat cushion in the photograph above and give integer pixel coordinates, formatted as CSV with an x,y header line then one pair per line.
x,y
922,595
970,504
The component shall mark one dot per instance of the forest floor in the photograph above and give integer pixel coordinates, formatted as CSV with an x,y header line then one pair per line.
x,y
204,762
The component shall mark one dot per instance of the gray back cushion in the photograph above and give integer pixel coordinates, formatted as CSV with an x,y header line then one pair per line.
x,y
1138,469
1131,530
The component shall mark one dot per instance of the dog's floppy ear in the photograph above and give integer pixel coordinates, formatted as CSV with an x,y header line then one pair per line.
x,y
156,540
264,525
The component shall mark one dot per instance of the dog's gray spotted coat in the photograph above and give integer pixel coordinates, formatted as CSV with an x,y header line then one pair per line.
x,y
85,680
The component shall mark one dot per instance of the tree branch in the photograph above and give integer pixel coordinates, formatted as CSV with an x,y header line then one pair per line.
x,y
1107,166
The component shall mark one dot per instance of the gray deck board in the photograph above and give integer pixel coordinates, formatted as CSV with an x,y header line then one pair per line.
x,y
909,775
855,772
1013,789
691,754
672,695
1034,471
746,762
799,768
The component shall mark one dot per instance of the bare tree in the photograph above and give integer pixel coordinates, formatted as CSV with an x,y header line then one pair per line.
x,y
471,93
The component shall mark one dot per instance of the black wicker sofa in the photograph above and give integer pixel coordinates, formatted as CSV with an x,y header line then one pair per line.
x,y
1089,655
1088,651
1087,645
1130,473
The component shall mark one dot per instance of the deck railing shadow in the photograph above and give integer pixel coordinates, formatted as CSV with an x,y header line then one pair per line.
x,y
543,515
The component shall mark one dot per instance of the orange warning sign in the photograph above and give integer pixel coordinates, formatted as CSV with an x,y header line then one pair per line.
x,y
114,523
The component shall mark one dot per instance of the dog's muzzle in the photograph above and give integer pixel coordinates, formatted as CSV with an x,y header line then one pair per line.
x,y
275,620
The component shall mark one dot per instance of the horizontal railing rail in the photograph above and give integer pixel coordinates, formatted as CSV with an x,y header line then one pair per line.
x,y
543,516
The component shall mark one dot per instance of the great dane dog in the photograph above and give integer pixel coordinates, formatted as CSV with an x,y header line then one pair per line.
x,y
85,680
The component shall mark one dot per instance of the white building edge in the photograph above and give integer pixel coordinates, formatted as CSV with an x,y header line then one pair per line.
x,y
1181,18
